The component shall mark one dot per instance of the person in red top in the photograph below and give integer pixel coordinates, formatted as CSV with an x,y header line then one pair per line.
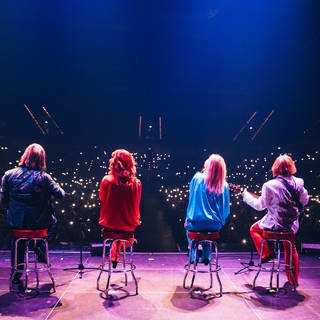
x,y
120,195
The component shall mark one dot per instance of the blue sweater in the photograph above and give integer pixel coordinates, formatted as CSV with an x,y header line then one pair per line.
x,y
206,212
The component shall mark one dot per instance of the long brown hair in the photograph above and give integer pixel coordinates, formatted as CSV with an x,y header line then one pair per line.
x,y
34,157
216,172
122,166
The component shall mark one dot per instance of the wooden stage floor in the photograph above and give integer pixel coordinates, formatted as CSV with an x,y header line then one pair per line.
x,y
161,295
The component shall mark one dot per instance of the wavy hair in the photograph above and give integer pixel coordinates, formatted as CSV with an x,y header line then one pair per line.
x,y
283,166
34,157
122,166
215,171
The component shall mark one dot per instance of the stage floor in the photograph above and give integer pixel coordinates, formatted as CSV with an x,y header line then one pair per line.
x,y
161,295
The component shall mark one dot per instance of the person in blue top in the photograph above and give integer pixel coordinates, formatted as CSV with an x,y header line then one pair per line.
x,y
209,201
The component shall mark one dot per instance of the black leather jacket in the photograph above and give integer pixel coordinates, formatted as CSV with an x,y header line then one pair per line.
x,y
26,194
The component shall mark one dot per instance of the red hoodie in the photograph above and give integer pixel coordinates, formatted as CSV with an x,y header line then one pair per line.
x,y
119,204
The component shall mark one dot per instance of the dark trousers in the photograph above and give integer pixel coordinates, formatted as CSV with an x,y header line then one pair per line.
x,y
39,250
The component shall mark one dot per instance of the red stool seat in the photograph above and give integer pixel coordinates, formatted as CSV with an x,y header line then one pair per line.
x,y
17,233
204,235
278,235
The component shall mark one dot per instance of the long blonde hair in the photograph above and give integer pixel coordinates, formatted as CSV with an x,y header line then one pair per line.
x,y
215,170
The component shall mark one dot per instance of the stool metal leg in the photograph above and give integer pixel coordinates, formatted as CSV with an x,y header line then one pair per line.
x,y
132,268
217,266
124,261
26,266
31,262
109,266
210,264
192,247
291,267
196,253
278,264
273,264
49,265
105,245
186,275
36,263
15,265
259,265
213,265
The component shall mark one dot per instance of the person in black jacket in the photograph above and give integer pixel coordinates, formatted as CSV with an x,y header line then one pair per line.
x,y
26,192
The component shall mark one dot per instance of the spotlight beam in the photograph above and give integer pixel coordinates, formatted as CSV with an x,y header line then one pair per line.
x,y
34,119
53,121
247,122
262,125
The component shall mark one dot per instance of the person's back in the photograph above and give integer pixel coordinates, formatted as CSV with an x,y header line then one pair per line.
x,y
282,197
209,201
206,211
27,193
283,213
120,195
119,204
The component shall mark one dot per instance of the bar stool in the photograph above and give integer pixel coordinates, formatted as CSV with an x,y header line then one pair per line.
x,y
30,240
123,240
277,239
197,239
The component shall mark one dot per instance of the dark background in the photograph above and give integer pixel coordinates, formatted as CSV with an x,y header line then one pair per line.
x,y
204,66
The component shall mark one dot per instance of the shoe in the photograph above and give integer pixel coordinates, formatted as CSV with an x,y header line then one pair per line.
x,y
17,285
271,256
191,262
114,264
289,283
205,261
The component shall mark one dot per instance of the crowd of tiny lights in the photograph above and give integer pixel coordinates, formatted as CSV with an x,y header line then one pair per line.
x,y
81,177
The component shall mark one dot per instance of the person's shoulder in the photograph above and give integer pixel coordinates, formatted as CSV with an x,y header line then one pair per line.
x,y
108,179
13,171
137,182
199,176
271,182
226,185
298,181
43,174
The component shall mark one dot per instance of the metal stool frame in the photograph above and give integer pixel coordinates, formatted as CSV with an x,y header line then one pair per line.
x,y
197,238
278,266
126,264
31,265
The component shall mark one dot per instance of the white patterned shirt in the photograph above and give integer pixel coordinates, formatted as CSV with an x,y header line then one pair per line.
x,y
282,212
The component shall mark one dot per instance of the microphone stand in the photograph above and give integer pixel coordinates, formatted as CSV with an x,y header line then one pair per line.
x,y
81,266
247,265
